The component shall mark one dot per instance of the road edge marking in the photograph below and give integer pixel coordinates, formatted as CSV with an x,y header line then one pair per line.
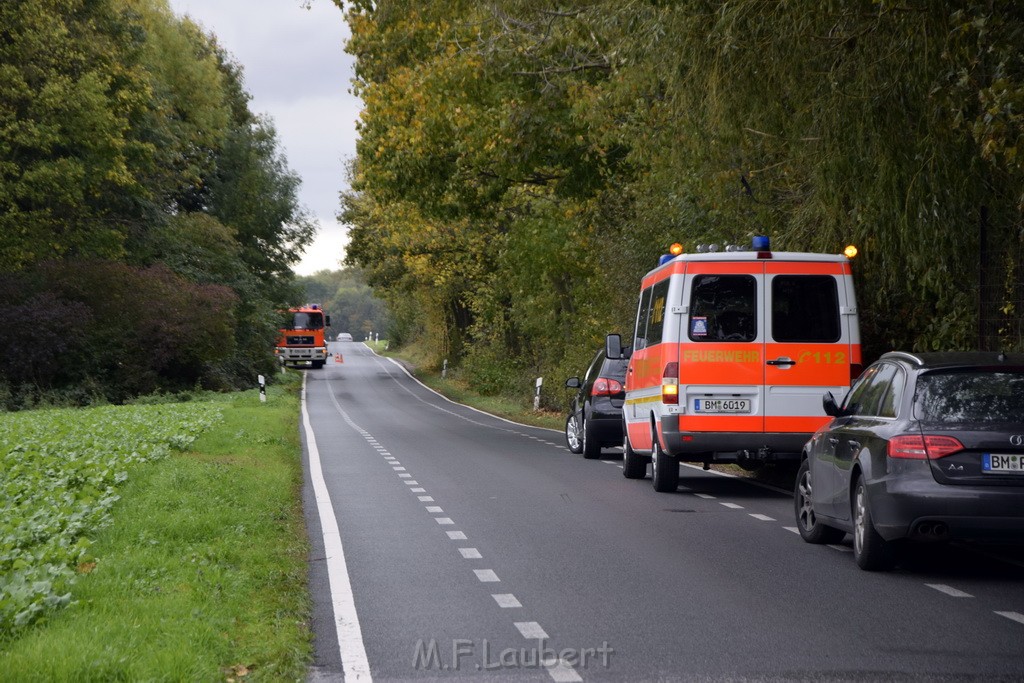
x,y
354,662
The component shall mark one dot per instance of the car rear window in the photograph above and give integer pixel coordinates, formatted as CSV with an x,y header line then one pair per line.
x,y
615,368
962,396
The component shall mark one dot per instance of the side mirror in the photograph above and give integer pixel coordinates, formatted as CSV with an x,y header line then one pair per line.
x,y
613,347
828,402
573,383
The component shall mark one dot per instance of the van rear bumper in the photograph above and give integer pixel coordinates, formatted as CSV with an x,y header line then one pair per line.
x,y
726,446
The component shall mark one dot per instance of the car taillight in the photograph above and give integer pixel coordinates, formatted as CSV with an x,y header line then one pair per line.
x,y
916,447
606,387
670,384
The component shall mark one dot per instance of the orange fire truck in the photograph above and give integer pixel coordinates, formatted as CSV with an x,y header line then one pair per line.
x,y
301,340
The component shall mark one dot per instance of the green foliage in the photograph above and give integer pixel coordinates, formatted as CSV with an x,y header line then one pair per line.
x,y
130,163
521,168
59,478
348,300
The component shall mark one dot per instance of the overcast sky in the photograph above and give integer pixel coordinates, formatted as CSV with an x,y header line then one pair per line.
x,y
298,73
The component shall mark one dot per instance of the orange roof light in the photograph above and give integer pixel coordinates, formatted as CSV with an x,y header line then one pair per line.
x,y
850,251
676,249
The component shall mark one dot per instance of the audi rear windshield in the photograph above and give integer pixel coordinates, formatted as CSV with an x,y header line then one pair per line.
x,y
970,396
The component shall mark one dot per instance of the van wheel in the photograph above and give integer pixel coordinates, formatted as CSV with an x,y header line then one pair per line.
x,y
634,465
591,446
870,550
664,469
317,364
807,523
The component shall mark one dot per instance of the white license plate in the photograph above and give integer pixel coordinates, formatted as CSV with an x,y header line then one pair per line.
x,y
721,405
996,463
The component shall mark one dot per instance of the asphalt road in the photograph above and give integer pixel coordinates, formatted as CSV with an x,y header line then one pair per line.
x,y
467,546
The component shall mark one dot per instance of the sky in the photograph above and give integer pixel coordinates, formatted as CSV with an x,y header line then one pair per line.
x,y
299,75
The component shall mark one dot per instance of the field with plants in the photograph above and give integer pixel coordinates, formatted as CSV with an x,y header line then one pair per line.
x,y
156,542
59,478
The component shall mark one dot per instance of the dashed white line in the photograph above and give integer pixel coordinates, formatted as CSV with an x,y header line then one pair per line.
x,y
840,548
456,535
434,508
405,476
705,496
531,629
763,518
732,506
470,553
398,469
506,600
418,490
486,575
1015,616
410,482
949,590
792,528
426,499
444,521
562,672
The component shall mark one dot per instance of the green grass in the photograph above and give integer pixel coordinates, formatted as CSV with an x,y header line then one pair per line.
x,y
202,573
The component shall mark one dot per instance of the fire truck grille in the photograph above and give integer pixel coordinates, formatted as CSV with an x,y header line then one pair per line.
x,y
300,341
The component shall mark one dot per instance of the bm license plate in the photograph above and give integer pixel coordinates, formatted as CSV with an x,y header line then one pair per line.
x,y
721,405
996,463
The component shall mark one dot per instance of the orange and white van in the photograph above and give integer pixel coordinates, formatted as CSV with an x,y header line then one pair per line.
x,y
731,355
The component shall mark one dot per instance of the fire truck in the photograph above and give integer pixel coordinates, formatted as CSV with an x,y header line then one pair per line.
x,y
301,339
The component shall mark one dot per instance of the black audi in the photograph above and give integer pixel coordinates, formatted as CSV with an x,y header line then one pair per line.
x,y
925,447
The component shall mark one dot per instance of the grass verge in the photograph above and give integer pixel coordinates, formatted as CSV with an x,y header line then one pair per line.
x,y
201,575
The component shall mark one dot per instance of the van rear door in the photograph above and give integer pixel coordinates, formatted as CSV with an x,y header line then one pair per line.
x,y
810,344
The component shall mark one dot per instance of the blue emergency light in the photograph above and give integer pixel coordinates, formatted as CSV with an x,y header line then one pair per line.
x,y
762,243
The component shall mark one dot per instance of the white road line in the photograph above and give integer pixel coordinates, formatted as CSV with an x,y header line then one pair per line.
x,y
792,528
763,518
355,665
531,629
434,508
410,482
470,553
840,548
732,506
1015,616
444,521
426,499
506,600
705,496
456,535
949,590
418,490
486,575
563,673
405,476
398,469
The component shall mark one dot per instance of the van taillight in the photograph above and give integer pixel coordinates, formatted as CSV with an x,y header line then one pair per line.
x,y
606,387
855,370
670,384
915,447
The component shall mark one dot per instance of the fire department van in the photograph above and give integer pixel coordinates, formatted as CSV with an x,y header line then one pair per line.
x,y
731,355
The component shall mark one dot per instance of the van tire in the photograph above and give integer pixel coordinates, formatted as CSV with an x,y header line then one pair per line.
x,y
664,469
634,465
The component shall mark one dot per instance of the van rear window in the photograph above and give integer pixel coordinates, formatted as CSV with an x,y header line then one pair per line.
x,y
723,308
805,308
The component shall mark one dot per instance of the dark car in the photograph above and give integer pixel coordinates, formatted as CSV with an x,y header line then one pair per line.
x,y
925,447
595,413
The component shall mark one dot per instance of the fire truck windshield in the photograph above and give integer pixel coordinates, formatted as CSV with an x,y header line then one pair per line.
x,y
307,321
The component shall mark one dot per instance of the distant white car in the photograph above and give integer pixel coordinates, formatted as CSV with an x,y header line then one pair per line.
x,y
344,336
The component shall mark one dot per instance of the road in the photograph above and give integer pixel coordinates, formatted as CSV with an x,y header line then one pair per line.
x,y
468,546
